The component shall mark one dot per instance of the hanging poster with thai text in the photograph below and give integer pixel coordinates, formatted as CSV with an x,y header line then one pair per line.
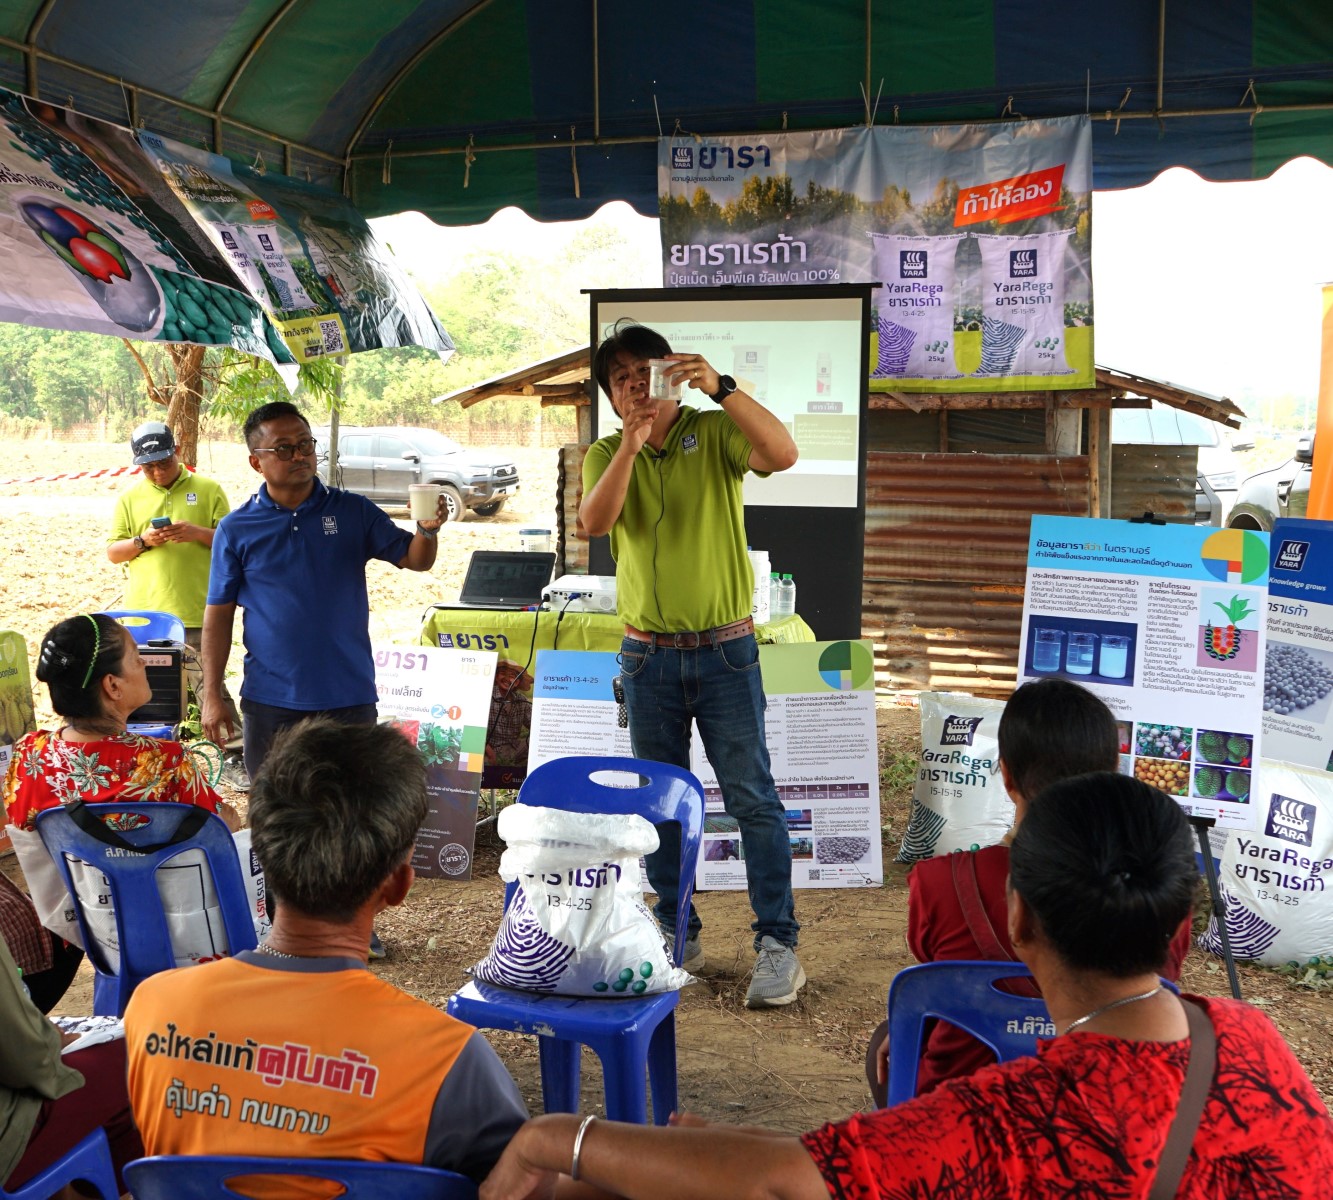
x,y
303,253
979,237
93,239
1298,672
439,700
574,707
1167,624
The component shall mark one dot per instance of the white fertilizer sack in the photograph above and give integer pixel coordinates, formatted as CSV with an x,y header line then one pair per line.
x,y
1273,878
1023,304
577,925
914,306
959,801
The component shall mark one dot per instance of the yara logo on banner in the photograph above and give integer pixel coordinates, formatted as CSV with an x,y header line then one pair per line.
x,y
738,158
913,264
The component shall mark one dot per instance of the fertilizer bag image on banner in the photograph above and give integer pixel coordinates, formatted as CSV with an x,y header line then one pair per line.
x,y
1023,304
914,317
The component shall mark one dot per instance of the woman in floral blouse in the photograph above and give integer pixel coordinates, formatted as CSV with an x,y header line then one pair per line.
x,y
96,678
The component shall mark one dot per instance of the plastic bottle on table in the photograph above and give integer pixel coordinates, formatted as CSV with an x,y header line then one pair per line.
x,y
773,578
786,597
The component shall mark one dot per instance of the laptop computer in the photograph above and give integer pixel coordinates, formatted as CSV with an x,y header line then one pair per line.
x,y
511,579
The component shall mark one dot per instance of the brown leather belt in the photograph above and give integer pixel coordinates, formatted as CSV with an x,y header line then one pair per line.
x,y
693,640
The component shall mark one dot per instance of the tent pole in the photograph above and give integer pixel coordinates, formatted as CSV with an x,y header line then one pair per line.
x,y
1161,52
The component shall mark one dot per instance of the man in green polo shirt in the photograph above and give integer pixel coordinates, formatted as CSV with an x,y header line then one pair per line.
x,y
166,566
667,488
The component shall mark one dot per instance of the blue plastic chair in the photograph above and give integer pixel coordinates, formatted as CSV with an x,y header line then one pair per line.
x,y
141,924
147,625
207,1177
628,1035
964,994
89,1162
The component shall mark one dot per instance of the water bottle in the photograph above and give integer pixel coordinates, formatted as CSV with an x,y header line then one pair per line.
x,y
773,579
786,597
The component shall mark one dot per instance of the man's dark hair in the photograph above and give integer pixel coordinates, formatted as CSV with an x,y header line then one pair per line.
x,y
334,809
629,338
68,649
269,412
1106,864
1051,729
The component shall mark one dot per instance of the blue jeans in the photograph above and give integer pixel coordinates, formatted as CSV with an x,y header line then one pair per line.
x,y
263,722
720,688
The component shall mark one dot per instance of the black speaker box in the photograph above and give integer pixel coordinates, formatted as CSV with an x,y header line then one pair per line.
x,y
165,666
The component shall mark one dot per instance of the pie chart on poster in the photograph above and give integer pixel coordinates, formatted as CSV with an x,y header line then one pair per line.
x,y
846,666
1235,555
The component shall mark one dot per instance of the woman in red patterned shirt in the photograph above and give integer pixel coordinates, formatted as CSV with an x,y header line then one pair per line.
x,y
1102,874
96,677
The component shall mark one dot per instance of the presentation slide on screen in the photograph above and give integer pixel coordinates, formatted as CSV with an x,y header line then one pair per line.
x,y
800,358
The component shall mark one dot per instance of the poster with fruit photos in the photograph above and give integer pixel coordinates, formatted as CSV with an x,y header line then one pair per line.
x,y
1298,672
1168,625
440,700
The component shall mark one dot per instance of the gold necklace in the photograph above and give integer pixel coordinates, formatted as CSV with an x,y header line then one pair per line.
x,y
1106,1008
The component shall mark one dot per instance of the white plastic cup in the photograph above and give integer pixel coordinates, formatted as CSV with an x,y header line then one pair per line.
x,y
534,541
423,501
660,386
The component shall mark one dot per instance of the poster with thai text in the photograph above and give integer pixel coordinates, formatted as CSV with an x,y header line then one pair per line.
x,y
439,700
820,731
979,237
1167,624
1298,672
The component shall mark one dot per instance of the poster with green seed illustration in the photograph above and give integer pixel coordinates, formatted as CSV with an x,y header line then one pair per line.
x,y
1298,673
1169,626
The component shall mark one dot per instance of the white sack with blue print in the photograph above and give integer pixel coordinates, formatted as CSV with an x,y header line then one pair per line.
x,y
1277,878
577,924
959,801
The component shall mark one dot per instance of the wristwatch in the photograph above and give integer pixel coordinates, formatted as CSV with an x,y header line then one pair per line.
x,y
141,544
430,533
725,386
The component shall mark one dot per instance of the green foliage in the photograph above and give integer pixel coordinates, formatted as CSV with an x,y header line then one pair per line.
x,y
440,745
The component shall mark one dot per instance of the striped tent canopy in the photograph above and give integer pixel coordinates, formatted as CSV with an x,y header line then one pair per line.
x,y
457,108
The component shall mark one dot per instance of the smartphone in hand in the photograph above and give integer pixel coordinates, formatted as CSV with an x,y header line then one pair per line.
x,y
160,522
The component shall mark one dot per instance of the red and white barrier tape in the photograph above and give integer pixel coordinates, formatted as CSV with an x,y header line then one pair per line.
x,y
103,472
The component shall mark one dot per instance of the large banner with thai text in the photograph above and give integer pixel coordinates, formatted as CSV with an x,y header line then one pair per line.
x,y
979,236
95,237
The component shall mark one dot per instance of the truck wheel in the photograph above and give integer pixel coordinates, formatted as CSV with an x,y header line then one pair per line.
x,y
453,502
489,510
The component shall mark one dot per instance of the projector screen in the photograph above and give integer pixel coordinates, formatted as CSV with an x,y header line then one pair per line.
x,y
803,357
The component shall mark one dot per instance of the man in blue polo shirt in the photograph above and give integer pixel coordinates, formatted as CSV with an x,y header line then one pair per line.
x,y
294,557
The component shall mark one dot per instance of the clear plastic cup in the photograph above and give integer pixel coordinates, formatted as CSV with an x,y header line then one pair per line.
x,y
534,541
660,386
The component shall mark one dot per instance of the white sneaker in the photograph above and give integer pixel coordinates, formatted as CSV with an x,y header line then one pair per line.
x,y
777,976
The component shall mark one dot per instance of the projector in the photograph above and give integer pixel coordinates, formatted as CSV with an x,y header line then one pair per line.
x,y
582,593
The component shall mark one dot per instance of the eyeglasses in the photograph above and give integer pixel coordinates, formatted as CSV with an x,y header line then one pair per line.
x,y
286,451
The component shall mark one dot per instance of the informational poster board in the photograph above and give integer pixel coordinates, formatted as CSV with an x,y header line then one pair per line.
x,y
1298,673
574,708
439,700
820,731
1166,624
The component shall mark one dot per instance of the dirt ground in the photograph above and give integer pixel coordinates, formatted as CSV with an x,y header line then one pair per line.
x,y
790,1069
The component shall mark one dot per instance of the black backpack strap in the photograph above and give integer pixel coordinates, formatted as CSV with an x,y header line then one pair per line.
x,y
100,831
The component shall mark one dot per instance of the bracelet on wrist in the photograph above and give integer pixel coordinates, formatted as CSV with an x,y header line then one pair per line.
x,y
578,1145
430,533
